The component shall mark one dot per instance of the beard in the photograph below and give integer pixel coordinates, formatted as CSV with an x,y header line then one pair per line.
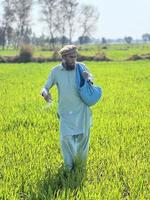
x,y
68,66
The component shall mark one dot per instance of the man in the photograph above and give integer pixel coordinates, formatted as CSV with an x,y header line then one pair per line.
x,y
75,116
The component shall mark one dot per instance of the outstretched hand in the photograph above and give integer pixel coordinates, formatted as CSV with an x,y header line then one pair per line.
x,y
47,96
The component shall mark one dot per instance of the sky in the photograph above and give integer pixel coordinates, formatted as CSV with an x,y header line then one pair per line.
x,y
118,18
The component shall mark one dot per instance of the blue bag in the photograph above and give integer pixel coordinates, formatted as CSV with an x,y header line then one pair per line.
x,y
89,93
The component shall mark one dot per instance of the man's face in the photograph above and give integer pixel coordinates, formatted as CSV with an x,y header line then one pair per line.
x,y
70,59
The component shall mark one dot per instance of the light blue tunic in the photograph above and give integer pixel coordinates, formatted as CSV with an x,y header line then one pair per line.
x,y
75,116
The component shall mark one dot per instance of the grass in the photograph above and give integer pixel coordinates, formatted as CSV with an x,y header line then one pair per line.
x,y
118,162
36,53
115,52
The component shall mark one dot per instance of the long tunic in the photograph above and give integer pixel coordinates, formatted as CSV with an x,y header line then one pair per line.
x,y
75,116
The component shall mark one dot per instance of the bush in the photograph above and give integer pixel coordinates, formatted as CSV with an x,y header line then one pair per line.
x,y
101,57
26,52
135,57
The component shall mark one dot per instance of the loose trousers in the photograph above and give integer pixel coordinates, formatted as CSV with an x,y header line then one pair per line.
x,y
75,149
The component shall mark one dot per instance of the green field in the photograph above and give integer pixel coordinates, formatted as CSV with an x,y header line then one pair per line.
x,y
115,52
119,158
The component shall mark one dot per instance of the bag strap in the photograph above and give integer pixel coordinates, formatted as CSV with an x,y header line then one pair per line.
x,y
80,81
80,69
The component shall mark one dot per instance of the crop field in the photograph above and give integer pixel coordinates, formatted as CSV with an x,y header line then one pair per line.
x,y
115,52
118,166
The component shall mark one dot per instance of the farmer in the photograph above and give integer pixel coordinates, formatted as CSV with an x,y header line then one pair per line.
x,y
74,115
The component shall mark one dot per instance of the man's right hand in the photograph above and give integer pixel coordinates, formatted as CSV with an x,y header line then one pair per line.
x,y
47,96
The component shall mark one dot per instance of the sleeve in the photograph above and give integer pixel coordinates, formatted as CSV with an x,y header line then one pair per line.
x,y
50,81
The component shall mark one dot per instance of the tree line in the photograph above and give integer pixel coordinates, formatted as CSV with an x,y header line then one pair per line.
x,y
64,19
145,38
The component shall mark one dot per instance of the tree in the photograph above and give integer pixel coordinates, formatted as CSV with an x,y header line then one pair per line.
x,y
49,9
66,19
41,40
33,39
88,18
27,35
7,20
22,16
104,41
10,35
128,39
84,39
71,10
2,37
61,21
146,37
64,40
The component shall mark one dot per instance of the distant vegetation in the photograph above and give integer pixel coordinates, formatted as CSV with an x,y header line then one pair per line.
x,y
99,52
64,19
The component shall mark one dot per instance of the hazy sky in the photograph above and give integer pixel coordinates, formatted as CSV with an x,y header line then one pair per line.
x,y
118,18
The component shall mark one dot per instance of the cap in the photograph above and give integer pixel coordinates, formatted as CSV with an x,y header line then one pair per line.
x,y
67,50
